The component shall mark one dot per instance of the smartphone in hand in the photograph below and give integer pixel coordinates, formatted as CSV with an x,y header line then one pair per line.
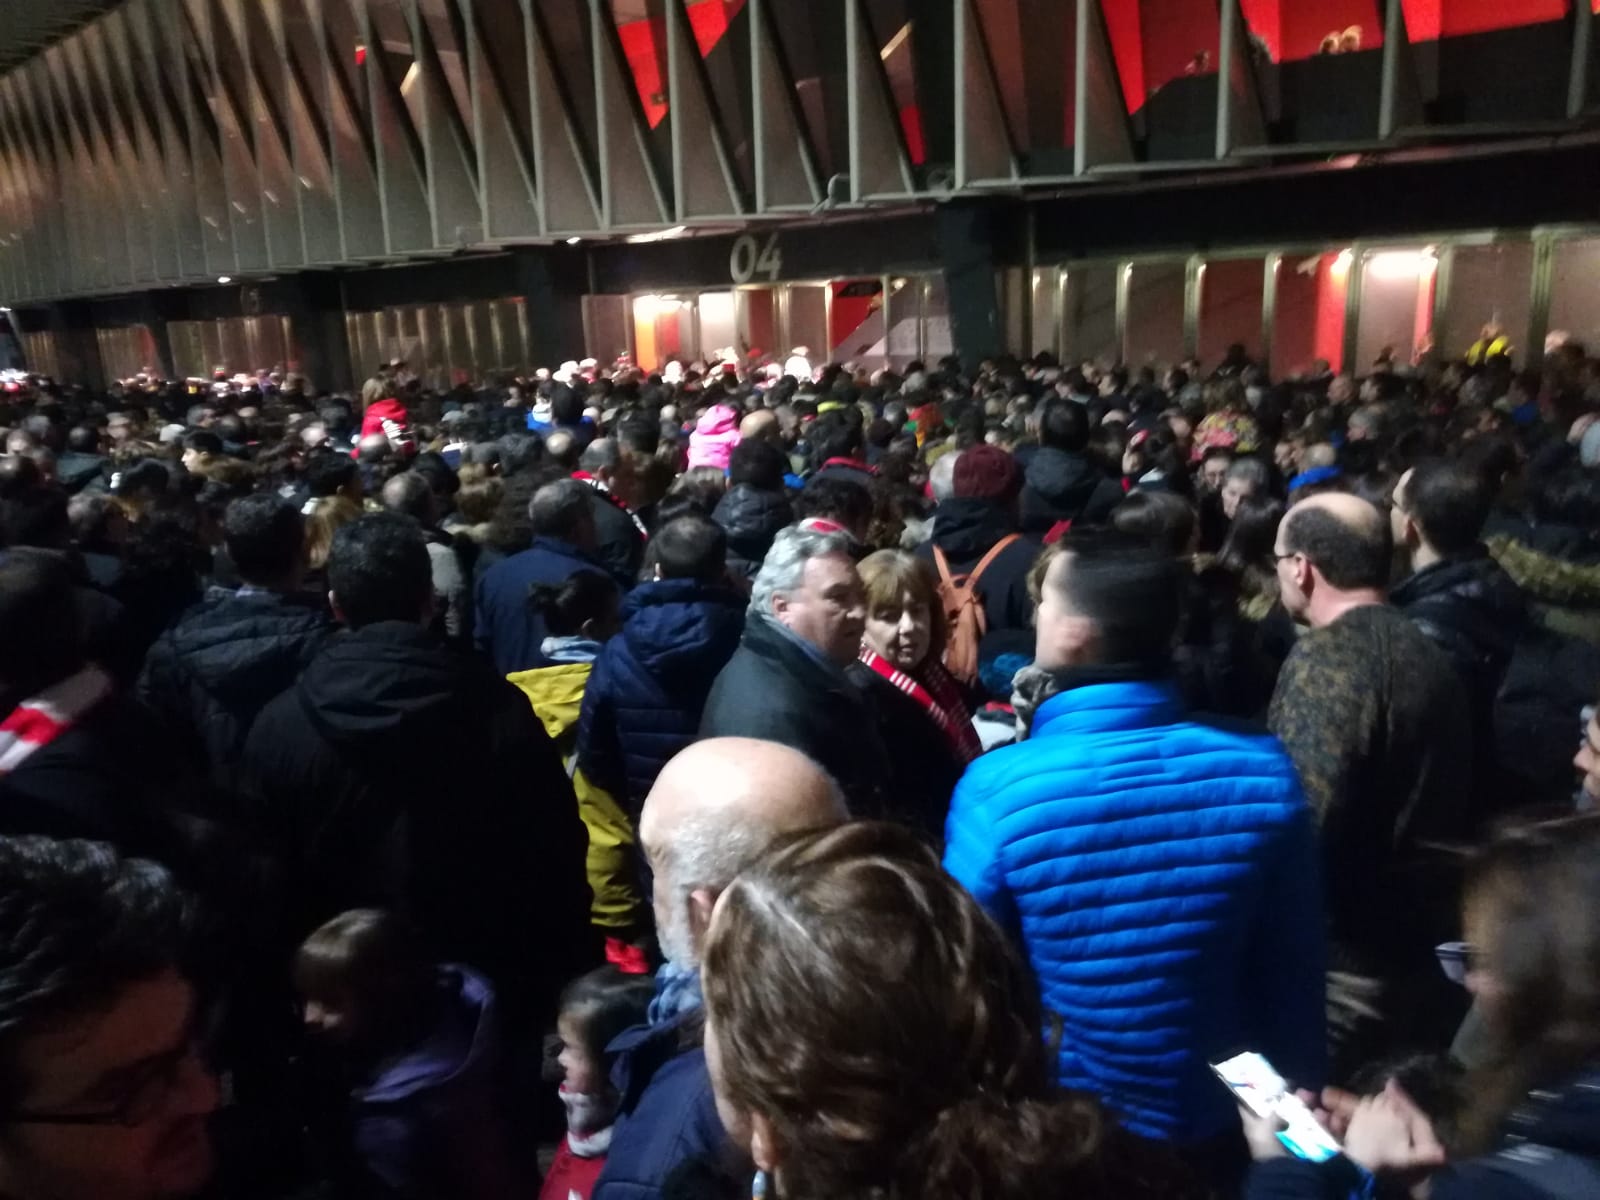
x,y
1264,1092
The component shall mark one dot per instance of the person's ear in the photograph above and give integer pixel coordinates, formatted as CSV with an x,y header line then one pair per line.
x,y
1304,575
763,1144
701,903
780,606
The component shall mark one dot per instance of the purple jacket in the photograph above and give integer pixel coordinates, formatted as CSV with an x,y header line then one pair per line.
x,y
431,1125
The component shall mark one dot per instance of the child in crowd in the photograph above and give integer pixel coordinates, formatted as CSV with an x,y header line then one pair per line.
x,y
416,1050
580,614
595,1008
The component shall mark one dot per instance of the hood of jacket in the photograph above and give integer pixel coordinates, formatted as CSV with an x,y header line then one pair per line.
x,y
462,1044
751,518
718,420
556,693
1546,577
682,626
1062,480
965,528
389,681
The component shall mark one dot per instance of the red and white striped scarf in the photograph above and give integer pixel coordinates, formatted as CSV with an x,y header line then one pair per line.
x,y
939,697
41,719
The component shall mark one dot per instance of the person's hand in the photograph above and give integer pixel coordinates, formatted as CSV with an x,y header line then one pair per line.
x,y
1388,1132
1261,1134
1333,1108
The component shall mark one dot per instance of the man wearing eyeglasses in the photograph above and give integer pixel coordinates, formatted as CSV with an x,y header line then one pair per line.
x,y
1380,731
103,1094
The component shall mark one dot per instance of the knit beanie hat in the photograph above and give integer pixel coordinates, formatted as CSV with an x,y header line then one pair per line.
x,y
985,472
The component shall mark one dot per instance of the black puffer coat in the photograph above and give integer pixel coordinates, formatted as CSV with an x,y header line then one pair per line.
x,y
209,676
751,518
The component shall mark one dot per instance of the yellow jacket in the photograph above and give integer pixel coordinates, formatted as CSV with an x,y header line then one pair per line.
x,y
556,694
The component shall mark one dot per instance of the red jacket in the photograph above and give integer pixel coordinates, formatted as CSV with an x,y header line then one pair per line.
x,y
384,410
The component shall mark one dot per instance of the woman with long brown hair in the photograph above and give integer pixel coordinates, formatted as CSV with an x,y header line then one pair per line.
x,y
1531,1127
871,1033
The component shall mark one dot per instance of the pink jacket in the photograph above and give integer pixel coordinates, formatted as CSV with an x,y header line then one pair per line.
x,y
712,442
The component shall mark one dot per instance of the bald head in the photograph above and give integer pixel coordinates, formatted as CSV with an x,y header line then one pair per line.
x,y
1343,537
715,809
761,425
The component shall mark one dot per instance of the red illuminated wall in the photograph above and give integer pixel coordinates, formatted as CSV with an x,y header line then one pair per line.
x,y
1428,20
1309,320
849,312
644,44
1154,41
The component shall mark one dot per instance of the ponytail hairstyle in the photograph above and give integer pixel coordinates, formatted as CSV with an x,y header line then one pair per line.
x,y
1530,900
865,1007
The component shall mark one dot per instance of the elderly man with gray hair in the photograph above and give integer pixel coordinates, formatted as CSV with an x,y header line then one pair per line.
x,y
786,682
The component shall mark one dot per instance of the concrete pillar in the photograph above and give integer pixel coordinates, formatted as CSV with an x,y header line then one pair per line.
x,y
967,249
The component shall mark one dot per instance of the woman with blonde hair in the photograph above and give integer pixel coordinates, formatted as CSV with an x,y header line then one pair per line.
x,y
922,713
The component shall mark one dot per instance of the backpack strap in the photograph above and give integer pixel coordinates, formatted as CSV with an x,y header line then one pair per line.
x,y
983,563
943,563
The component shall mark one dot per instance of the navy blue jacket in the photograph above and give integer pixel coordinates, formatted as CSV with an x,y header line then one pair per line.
x,y
505,626
649,685
1161,874
667,1115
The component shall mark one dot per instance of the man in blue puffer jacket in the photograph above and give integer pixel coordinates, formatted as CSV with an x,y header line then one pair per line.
x,y
647,691
1159,870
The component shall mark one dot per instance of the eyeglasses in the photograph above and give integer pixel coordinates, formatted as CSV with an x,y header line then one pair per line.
x,y
143,1098
1276,557
1456,959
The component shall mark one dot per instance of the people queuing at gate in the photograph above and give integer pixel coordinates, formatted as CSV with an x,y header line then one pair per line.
x,y
882,783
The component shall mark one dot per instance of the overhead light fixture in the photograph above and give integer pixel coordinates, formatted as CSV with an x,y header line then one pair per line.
x,y
573,241
660,235
224,278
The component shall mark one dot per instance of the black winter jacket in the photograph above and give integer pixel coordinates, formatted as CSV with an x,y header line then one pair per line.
x,y
775,689
926,769
1551,1152
209,676
751,518
1470,608
398,774
1060,486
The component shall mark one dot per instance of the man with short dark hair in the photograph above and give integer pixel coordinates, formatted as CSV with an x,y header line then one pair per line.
x,y
410,494
1062,484
397,773
103,1092
649,685
1159,871
1380,731
1458,596
506,626
619,534
838,445
208,677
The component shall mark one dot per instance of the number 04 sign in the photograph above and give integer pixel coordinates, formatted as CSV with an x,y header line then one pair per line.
x,y
750,258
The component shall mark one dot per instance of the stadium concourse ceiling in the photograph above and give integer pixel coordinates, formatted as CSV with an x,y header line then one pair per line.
x,y
28,26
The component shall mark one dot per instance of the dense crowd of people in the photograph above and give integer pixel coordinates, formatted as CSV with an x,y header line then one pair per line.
x,y
825,784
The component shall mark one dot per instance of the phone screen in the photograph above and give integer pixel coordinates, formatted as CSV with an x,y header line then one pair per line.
x,y
1264,1092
